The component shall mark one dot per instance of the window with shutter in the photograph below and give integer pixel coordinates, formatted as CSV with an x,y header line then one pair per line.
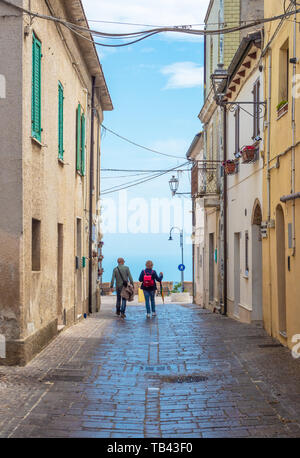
x,y
60,121
83,144
36,88
78,139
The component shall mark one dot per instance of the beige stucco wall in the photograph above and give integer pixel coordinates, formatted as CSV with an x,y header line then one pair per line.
x,y
41,187
280,185
11,41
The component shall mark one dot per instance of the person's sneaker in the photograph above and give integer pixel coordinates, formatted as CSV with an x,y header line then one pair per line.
x,y
153,314
123,315
148,315
118,312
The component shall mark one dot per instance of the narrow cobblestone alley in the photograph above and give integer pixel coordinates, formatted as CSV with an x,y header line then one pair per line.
x,y
185,373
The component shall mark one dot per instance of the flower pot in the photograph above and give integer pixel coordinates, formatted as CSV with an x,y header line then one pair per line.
x,y
248,154
229,167
282,110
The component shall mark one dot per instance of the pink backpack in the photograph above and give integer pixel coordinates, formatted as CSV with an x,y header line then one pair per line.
x,y
148,280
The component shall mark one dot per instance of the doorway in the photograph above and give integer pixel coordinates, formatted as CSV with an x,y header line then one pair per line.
x,y
79,270
60,262
281,270
257,314
211,267
237,273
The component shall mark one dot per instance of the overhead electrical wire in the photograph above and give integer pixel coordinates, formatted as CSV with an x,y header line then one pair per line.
x,y
145,33
144,171
138,145
223,24
141,173
151,175
116,177
122,187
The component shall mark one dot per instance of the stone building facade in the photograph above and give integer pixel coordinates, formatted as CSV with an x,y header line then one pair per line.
x,y
49,181
218,49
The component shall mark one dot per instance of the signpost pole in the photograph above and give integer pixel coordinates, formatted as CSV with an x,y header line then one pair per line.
x,y
182,272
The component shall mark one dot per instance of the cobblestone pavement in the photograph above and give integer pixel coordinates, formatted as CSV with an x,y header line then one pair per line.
x,y
185,373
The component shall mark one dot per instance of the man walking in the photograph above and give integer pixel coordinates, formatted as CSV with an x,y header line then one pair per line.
x,y
121,275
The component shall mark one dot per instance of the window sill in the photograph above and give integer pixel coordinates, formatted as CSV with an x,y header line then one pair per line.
x,y
60,161
283,334
35,140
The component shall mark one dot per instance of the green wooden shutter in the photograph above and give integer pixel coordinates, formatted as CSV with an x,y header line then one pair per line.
x,y
78,139
60,121
83,144
36,88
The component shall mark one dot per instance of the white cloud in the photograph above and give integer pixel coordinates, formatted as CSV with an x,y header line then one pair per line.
x,y
183,75
148,12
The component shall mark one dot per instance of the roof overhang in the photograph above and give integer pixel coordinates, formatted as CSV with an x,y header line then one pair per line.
x,y
242,61
76,14
195,147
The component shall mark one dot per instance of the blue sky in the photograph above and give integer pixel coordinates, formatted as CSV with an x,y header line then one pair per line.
x,y
156,88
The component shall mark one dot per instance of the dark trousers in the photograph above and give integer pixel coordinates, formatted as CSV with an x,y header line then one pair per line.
x,y
121,302
149,298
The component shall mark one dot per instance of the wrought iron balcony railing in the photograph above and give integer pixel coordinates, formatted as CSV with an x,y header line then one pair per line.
x,y
209,178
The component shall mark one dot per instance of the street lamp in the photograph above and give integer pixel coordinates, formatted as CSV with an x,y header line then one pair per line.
x,y
181,246
218,78
174,184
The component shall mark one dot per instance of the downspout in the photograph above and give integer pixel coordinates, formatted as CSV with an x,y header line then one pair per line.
x,y
269,183
269,140
194,216
225,210
294,137
91,199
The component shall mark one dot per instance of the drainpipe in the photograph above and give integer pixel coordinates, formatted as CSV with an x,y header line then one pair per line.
x,y
193,253
225,211
269,184
91,199
269,140
294,136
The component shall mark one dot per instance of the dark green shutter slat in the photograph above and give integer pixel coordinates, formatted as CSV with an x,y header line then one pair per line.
x,y
78,139
60,121
83,144
36,88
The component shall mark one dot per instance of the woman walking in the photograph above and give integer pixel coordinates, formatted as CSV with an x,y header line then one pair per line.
x,y
148,278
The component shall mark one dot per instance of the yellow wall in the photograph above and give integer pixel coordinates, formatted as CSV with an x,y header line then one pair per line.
x,y
280,141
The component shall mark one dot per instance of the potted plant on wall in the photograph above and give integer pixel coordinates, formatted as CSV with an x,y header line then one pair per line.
x,y
248,153
229,167
282,108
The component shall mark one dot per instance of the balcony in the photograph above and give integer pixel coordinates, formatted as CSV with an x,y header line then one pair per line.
x,y
209,183
209,178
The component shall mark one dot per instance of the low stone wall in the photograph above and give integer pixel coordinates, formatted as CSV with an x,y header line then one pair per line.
x,y
167,287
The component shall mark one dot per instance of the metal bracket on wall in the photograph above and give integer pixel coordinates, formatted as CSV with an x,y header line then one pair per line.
x,y
232,106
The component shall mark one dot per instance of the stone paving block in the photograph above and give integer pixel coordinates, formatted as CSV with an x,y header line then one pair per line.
x,y
81,385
